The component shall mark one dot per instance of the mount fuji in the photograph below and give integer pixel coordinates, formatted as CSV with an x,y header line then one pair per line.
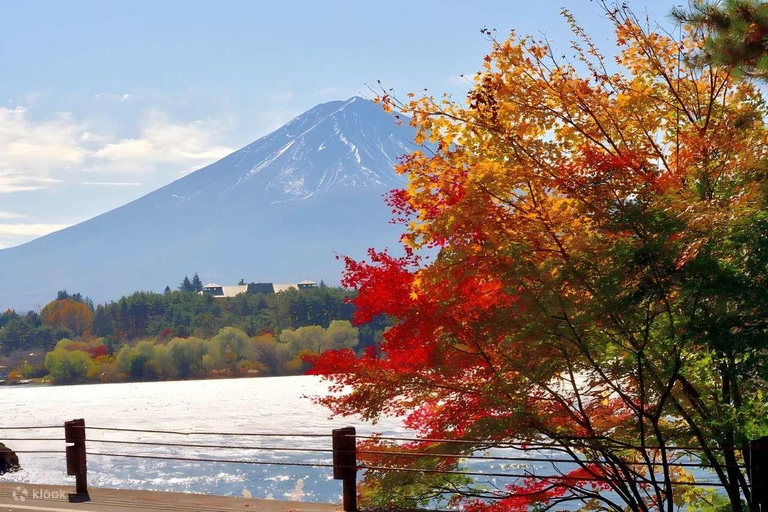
x,y
277,210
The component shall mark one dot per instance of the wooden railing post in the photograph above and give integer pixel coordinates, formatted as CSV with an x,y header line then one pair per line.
x,y
758,474
345,465
74,433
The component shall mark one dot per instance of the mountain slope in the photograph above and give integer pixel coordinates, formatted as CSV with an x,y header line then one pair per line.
x,y
278,210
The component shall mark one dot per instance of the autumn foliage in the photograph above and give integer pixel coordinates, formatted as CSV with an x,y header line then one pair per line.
x,y
600,281
68,313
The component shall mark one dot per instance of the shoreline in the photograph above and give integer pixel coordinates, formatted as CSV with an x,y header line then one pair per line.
x,y
34,384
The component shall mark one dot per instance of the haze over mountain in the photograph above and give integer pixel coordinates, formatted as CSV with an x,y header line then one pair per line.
x,y
277,210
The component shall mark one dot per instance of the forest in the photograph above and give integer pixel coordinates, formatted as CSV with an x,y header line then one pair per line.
x,y
180,334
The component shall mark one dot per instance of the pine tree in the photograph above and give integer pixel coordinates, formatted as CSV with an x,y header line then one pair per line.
x,y
738,33
167,290
197,284
186,285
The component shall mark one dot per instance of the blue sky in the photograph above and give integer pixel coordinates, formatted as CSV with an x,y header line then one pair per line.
x,y
102,102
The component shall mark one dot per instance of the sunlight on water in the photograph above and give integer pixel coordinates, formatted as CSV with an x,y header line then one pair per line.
x,y
277,404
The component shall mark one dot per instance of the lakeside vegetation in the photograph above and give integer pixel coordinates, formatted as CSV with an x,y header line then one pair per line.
x,y
180,335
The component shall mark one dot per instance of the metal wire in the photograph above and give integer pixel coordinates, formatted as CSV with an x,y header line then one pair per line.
x,y
320,450
223,446
391,469
40,451
30,428
536,445
227,461
526,446
386,453
503,444
534,459
176,432
525,475
32,438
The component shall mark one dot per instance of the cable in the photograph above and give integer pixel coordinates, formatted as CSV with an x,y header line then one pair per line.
x,y
511,475
223,446
533,459
175,432
383,468
230,461
31,428
33,439
535,446
39,451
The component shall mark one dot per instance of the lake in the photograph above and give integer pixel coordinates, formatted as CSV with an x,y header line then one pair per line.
x,y
276,404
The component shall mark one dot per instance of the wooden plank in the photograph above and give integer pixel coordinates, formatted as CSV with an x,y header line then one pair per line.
x,y
51,498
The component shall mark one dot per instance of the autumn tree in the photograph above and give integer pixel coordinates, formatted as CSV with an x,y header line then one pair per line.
x,y
313,338
226,349
68,366
266,349
69,314
599,284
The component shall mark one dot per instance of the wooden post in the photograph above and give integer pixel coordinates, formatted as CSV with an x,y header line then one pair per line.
x,y
74,432
758,474
345,465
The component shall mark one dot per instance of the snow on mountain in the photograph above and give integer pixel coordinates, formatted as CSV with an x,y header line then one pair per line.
x,y
280,209
334,145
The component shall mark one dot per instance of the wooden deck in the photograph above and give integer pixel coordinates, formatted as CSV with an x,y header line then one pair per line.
x,y
51,498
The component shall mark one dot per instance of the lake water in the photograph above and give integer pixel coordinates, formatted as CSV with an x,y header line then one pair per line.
x,y
278,404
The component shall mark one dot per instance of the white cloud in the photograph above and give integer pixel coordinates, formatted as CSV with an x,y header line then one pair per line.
x,y
117,97
84,157
19,233
38,146
17,182
11,215
163,142
29,229
112,184
36,154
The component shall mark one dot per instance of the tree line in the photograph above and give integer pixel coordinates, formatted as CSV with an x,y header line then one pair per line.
x,y
230,353
65,317
147,335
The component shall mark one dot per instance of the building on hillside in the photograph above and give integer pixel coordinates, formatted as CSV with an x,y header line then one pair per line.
x,y
213,289
228,291
306,284
260,288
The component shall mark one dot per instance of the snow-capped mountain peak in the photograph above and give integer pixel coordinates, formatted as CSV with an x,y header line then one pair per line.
x,y
282,207
339,144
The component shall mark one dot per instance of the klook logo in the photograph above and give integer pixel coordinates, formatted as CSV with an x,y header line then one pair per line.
x,y
19,494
